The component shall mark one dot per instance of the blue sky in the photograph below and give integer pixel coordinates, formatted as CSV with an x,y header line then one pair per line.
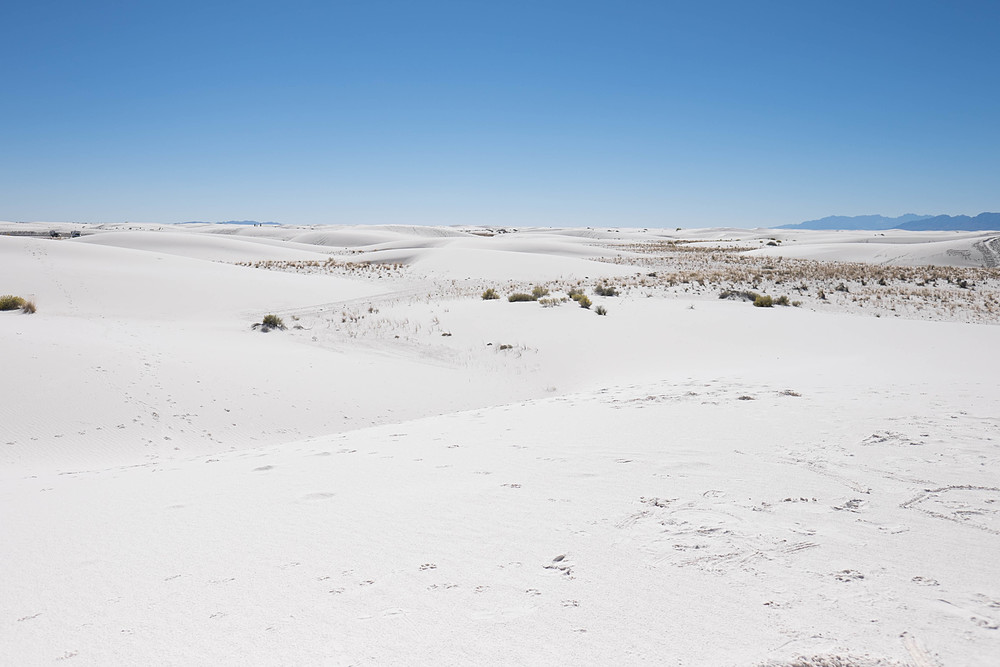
x,y
501,113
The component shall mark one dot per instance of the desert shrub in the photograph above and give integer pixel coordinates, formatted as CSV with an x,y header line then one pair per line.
x,y
273,321
738,295
538,292
574,292
582,300
601,310
763,301
28,308
520,296
551,302
841,288
11,302
605,290
782,301
490,294
268,323
796,303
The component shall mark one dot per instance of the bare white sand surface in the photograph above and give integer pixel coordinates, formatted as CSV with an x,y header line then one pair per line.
x,y
409,474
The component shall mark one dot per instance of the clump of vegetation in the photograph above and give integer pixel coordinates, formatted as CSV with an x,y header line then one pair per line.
x,y
782,301
582,299
551,302
28,308
601,310
605,290
538,292
841,288
738,295
520,296
763,301
11,302
490,294
574,292
269,323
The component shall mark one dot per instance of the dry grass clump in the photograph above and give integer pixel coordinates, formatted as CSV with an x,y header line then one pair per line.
x,y
966,294
521,296
490,294
331,266
11,302
269,323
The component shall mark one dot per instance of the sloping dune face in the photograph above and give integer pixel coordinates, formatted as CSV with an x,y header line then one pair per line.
x,y
205,246
893,247
411,473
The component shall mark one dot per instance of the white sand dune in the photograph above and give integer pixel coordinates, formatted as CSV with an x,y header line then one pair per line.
x,y
204,246
897,248
419,476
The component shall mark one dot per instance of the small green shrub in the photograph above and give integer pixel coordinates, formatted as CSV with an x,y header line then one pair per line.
x,y
782,301
520,296
583,300
601,310
574,292
538,292
490,294
763,301
11,302
605,290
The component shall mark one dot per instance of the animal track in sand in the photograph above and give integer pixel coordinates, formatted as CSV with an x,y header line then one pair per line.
x,y
855,505
319,495
428,566
889,438
968,505
924,581
848,575
561,564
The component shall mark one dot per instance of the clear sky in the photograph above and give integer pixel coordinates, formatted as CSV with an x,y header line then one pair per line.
x,y
618,113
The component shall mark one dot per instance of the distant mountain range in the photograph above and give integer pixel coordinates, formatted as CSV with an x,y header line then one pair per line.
x,y
910,221
228,222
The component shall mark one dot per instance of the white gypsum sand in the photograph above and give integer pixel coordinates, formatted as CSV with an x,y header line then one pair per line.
x,y
410,474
